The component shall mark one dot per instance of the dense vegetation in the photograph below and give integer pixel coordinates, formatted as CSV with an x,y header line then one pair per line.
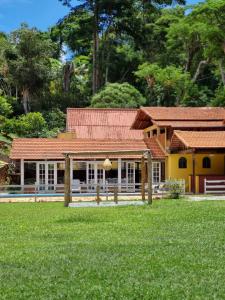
x,y
173,250
111,53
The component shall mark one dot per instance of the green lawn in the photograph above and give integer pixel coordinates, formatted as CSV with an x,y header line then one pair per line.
x,y
172,250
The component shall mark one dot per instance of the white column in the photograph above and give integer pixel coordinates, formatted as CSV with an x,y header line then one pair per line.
x,y
22,172
71,171
37,174
55,175
119,174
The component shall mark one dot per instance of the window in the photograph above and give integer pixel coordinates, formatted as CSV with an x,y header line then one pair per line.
x,y
182,163
156,170
206,163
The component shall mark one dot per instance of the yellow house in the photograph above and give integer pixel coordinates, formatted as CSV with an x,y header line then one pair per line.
x,y
193,140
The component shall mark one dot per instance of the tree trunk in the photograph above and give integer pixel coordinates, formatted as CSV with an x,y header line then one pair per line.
x,y
26,100
201,65
222,71
68,72
95,79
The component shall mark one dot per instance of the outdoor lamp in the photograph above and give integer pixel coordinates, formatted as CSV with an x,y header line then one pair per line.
x,y
107,165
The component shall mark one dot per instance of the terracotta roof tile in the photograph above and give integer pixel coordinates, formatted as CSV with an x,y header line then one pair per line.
x,y
93,123
199,139
185,113
146,116
190,124
153,145
39,149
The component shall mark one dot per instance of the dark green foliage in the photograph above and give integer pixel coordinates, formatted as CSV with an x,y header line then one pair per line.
x,y
118,95
55,119
170,55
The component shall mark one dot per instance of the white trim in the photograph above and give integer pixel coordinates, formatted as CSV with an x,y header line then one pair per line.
x,y
160,173
22,172
71,170
119,174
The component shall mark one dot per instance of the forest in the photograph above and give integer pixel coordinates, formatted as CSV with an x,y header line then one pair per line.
x,y
124,53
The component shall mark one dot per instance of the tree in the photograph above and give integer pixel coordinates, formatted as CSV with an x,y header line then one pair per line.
x,y
28,62
107,16
118,95
5,107
29,125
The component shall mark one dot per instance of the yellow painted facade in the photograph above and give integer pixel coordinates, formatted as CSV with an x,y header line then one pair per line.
x,y
174,172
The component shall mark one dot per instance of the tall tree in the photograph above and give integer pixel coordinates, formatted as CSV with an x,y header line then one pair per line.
x,y
28,62
106,14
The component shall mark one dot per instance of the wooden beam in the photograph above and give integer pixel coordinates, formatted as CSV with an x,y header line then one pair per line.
x,y
67,182
149,178
143,178
105,153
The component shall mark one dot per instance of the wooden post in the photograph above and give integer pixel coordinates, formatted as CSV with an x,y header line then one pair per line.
x,y
98,199
116,194
149,178
193,174
143,177
67,182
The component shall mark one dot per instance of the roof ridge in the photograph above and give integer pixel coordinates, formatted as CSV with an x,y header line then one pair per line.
x,y
102,109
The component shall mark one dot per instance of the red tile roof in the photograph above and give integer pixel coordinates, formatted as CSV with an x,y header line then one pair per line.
x,y
185,113
94,123
189,124
198,139
147,116
156,150
39,149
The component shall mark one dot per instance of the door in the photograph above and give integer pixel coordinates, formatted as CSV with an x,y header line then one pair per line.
x,y
130,176
156,172
46,176
95,175
91,176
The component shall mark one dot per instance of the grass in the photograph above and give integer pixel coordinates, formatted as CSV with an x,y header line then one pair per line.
x,y
173,250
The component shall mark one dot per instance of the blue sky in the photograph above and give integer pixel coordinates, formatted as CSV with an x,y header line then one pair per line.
x,y
39,13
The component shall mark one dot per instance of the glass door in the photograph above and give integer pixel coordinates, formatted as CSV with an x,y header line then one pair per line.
x,y
95,175
100,175
46,176
156,172
91,176
51,176
130,176
41,177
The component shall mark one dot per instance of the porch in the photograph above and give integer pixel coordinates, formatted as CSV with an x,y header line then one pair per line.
x,y
48,176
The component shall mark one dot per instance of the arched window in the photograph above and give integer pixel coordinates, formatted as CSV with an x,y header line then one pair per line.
x,y
182,163
206,163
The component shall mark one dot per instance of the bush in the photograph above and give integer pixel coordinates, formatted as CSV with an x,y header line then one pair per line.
x,y
30,125
175,188
5,107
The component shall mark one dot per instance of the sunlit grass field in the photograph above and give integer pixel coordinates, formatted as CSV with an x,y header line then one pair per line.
x,y
174,249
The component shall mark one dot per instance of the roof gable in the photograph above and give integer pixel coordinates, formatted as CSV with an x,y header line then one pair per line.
x,y
146,116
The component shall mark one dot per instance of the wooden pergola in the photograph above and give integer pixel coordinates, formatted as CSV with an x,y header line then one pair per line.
x,y
144,154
